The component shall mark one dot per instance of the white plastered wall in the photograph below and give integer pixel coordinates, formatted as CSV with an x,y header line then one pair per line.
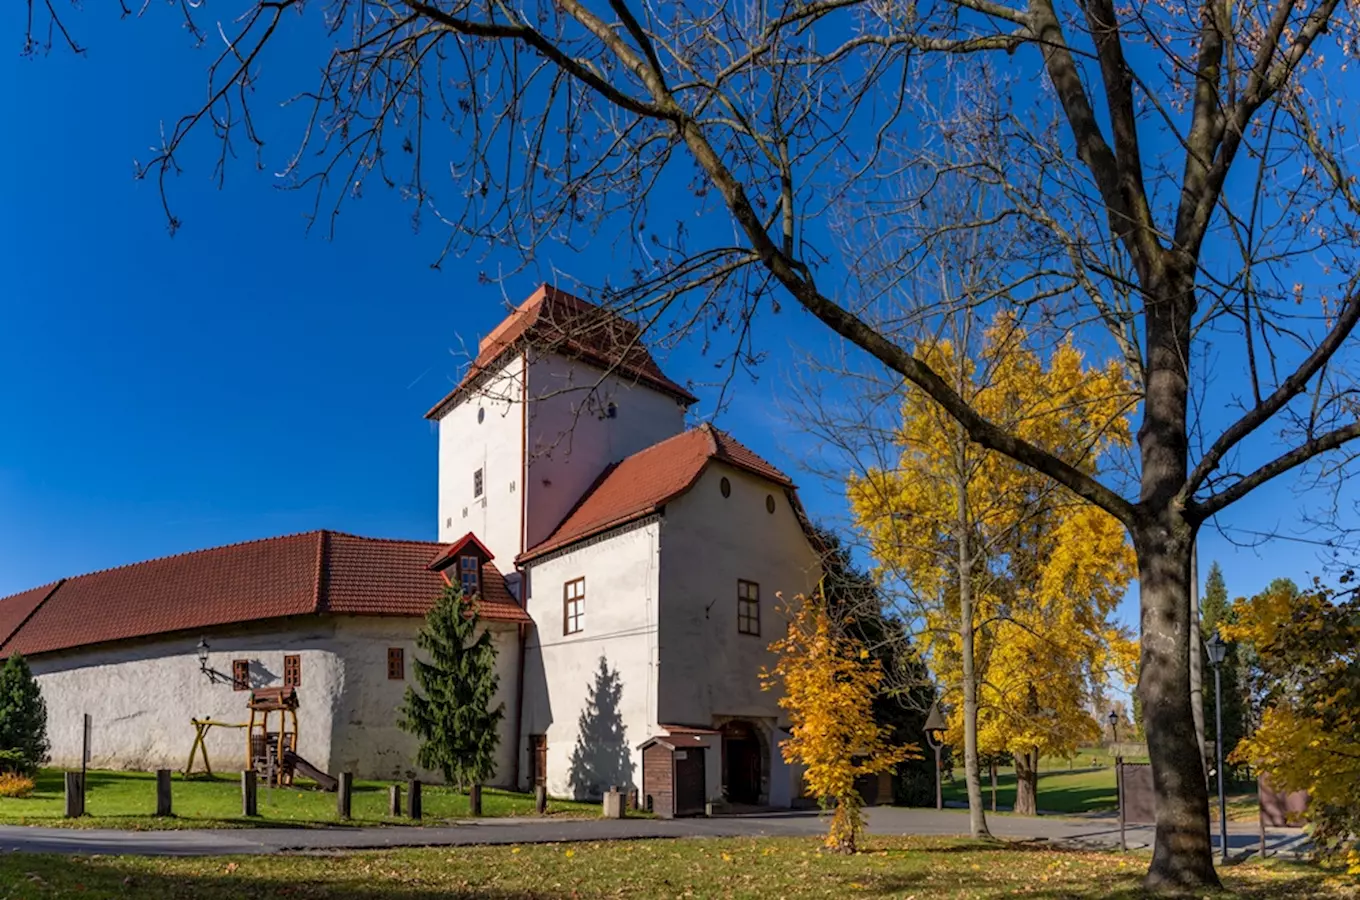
x,y
708,671
562,672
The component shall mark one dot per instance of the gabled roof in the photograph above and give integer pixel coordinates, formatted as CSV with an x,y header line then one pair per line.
x,y
553,321
445,557
316,572
642,484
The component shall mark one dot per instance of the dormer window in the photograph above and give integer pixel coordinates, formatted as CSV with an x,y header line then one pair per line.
x,y
469,570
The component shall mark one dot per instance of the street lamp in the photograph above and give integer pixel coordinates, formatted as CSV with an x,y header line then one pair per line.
x,y
935,729
214,676
1114,727
1218,651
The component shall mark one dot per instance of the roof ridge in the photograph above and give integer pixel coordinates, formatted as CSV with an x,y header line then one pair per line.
x,y
231,546
36,587
378,540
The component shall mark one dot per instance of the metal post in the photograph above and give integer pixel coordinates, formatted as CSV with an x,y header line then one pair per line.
x,y
1119,789
1218,747
939,790
84,757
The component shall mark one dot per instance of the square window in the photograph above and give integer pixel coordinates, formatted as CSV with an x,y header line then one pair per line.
x,y
292,671
470,576
396,664
477,483
240,674
748,607
573,606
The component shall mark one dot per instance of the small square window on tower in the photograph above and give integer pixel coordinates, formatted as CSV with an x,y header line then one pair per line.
x,y
292,671
477,483
240,674
396,664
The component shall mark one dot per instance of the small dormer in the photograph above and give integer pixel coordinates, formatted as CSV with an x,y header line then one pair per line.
x,y
463,559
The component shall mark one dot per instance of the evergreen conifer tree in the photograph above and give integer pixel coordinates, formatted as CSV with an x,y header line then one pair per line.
x,y
23,719
1216,611
452,712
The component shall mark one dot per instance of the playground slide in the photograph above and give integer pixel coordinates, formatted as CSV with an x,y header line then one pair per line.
x,y
301,767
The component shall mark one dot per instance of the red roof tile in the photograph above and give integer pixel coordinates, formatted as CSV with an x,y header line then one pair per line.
x,y
641,484
16,609
300,574
554,321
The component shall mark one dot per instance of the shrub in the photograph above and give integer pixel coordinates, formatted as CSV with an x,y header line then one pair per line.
x,y
23,719
12,785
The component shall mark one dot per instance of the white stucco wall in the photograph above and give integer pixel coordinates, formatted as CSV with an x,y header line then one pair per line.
x,y
709,672
367,738
561,671
495,445
143,694
571,440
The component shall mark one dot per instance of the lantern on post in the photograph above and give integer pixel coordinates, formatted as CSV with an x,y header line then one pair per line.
x,y
935,728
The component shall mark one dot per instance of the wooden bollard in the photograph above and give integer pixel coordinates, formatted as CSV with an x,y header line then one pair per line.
x,y
249,798
163,792
345,794
394,800
540,799
75,795
475,800
413,799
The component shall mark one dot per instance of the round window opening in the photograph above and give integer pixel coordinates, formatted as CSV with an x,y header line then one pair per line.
x,y
726,487
481,414
769,503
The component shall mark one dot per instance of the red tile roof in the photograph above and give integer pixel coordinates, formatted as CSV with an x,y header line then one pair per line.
x,y
641,484
554,321
301,574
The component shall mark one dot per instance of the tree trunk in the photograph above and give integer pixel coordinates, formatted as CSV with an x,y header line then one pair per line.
x,y
972,776
1182,857
1027,783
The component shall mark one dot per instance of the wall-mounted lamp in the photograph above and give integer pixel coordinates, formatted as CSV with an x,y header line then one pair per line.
x,y
214,676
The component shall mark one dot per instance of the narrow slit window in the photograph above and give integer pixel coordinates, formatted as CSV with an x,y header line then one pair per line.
x,y
573,606
477,483
748,607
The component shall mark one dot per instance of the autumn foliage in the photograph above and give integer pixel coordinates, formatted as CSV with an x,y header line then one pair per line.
x,y
1309,680
829,683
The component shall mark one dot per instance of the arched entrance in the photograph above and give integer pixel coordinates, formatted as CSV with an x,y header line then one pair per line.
x,y
744,763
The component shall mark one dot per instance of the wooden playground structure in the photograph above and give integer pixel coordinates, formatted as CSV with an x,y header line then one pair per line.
x,y
271,754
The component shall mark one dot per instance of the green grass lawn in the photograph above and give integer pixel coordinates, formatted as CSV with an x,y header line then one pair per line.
x,y
737,868
1078,789
128,800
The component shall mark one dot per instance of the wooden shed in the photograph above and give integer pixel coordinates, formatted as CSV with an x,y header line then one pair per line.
x,y
673,776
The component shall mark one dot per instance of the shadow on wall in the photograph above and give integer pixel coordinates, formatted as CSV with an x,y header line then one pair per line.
x,y
602,758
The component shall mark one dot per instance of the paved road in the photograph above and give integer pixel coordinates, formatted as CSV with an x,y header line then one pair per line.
x,y
1094,831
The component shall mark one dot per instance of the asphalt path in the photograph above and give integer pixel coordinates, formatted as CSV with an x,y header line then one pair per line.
x,y
1096,831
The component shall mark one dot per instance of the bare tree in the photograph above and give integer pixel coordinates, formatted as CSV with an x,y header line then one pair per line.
x,y
1186,180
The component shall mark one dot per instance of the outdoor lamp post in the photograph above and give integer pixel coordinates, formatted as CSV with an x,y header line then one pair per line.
x,y
1114,728
214,676
935,729
1218,651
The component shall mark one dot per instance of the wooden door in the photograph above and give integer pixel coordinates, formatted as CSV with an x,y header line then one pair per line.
x,y
538,760
689,781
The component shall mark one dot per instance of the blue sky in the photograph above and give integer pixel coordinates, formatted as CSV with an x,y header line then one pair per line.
x,y
244,379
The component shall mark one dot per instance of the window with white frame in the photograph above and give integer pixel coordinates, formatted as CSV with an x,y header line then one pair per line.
x,y
573,606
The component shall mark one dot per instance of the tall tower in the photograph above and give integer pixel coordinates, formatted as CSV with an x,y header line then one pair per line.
x,y
559,391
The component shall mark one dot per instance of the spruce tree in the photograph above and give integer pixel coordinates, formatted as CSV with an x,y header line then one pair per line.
x,y
452,712
1215,610
23,719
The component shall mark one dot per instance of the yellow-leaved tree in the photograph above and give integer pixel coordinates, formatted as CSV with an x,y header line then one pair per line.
x,y
1306,673
1013,578
829,682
